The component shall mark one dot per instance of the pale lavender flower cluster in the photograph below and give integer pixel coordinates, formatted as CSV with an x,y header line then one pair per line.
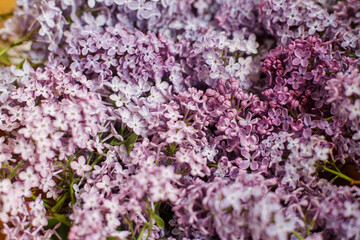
x,y
196,119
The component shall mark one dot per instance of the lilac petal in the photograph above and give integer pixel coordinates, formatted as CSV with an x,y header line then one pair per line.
x,y
296,61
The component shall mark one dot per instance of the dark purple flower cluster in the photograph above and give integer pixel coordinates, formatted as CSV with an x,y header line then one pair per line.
x,y
196,119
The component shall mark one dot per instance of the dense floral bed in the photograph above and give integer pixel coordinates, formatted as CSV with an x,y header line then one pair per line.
x,y
188,119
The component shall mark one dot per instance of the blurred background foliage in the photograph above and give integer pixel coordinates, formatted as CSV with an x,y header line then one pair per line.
x,y
6,8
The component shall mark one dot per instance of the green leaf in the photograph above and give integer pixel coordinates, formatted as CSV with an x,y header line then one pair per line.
x,y
51,223
20,65
298,235
157,206
129,223
62,219
159,221
72,193
63,232
60,202
151,212
142,232
13,172
130,142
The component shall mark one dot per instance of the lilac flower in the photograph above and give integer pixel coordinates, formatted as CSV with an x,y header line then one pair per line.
x,y
120,99
315,26
301,58
286,120
91,3
232,67
293,16
213,60
329,19
278,4
323,124
282,225
144,9
354,109
137,124
80,166
92,62
308,125
322,153
245,68
23,73
105,184
318,73
319,98
251,45
174,136
352,88
349,40
296,81
88,45
209,153
29,177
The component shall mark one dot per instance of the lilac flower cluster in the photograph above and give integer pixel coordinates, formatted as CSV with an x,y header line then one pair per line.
x,y
196,119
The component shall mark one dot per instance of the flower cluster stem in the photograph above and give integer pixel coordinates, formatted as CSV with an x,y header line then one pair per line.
x,y
60,202
297,235
19,41
343,176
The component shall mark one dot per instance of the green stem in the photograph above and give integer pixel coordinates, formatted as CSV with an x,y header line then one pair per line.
x,y
312,224
118,143
62,219
343,176
72,194
13,172
97,160
211,165
151,221
88,161
333,179
122,131
297,235
328,118
112,143
18,42
142,232
307,228
131,227
60,202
